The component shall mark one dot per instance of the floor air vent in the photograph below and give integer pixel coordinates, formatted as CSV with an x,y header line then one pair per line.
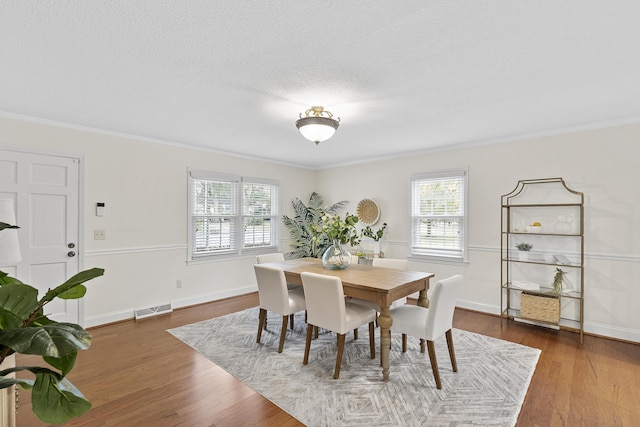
x,y
153,311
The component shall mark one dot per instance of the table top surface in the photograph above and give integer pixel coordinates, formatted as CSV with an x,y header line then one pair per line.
x,y
358,275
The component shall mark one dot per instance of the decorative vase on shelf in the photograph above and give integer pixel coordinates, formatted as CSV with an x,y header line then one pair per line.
x,y
523,255
336,257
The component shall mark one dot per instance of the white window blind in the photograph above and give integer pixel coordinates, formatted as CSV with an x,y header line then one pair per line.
x,y
214,214
260,202
438,214
230,215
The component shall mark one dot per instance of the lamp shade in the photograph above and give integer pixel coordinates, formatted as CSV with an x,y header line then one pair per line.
x,y
9,246
317,125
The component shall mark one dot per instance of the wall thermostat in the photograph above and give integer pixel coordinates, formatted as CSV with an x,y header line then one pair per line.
x,y
100,209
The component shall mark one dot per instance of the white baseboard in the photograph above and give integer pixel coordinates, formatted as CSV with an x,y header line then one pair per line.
x,y
589,328
103,319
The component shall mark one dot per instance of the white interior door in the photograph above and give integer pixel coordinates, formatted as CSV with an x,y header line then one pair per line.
x,y
45,190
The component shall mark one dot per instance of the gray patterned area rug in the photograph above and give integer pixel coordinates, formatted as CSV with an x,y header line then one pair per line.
x,y
488,389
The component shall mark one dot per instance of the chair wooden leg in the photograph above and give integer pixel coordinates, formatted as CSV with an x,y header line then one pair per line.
x,y
315,330
307,344
262,320
434,363
404,343
422,345
355,334
283,332
291,321
341,339
372,339
452,352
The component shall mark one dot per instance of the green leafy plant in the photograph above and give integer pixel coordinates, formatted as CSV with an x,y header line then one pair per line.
x,y
303,242
333,228
377,235
558,278
25,329
526,247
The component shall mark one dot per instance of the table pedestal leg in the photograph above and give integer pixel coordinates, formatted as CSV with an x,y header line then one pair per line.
x,y
385,321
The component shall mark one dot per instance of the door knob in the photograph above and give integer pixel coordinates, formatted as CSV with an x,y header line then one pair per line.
x,y
71,253
71,245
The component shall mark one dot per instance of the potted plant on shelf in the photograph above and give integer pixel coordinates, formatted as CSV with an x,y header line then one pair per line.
x,y
558,278
376,236
523,250
25,329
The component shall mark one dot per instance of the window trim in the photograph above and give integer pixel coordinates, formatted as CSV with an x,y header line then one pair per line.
x,y
435,254
238,236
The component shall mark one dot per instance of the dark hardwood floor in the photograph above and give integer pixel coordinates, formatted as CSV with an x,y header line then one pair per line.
x,y
136,374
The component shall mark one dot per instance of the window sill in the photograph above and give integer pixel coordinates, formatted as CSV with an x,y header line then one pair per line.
x,y
438,259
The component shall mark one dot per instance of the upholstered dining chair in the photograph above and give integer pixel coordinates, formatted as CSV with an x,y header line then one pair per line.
x,y
274,257
395,263
431,323
274,296
327,309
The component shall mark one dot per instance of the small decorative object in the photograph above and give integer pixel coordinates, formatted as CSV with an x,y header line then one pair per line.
x,y
557,280
523,250
376,236
340,232
368,212
519,226
536,227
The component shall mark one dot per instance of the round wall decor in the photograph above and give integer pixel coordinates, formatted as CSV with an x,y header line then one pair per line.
x,y
368,212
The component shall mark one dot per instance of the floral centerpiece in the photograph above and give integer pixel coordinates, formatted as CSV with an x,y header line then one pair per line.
x,y
339,232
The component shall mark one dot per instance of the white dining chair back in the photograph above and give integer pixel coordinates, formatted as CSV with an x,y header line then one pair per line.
x,y
395,263
431,323
272,257
274,296
327,309
441,307
275,257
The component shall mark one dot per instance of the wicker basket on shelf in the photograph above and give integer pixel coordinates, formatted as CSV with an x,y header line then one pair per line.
x,y
540,307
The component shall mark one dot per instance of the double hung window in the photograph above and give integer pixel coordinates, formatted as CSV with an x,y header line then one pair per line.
x,y
231,215
438,215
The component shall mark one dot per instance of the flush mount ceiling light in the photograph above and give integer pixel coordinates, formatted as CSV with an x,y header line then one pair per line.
x,y
317,125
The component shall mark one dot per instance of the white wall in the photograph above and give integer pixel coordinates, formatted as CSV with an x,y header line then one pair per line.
x,y
601,163
145,188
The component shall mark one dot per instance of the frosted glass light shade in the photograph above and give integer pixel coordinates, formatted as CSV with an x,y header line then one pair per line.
x,y
317,125
317,132
9,246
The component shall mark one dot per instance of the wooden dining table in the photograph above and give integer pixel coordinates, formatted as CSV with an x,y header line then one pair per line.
x,y
380,285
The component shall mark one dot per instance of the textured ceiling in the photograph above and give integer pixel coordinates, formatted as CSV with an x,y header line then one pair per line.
x,y
403,76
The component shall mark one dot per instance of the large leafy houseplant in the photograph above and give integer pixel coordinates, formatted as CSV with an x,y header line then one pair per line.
x,y
303,243
25,329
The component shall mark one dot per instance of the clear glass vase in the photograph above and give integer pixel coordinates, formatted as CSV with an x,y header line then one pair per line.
x,y
336,257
